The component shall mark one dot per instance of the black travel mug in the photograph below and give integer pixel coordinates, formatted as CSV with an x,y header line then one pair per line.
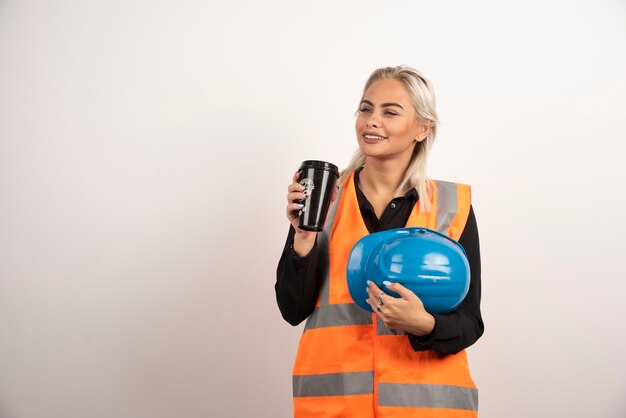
x,y
319,179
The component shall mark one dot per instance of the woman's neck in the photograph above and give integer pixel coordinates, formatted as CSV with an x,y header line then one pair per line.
x,y
381,177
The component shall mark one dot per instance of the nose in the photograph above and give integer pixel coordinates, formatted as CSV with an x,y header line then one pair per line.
x,y
373,122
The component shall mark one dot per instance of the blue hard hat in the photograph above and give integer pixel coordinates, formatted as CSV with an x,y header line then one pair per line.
x,y
432,265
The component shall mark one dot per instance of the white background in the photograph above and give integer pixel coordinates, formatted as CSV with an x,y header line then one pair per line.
x,y
145,150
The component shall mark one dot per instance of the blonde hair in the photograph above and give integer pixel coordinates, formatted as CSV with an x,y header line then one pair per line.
x,y
423,96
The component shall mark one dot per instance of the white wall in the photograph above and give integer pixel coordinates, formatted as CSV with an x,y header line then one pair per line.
x,y
145,150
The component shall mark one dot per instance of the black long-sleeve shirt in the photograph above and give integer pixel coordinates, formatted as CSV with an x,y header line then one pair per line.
x,y
299,279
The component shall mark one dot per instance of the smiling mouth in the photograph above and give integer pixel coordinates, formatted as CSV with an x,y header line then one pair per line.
x,y
373,138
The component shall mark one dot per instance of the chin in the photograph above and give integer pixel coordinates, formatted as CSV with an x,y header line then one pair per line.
x,y
372,150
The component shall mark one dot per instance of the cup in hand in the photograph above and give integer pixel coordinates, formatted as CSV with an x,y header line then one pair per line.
x,y
318,179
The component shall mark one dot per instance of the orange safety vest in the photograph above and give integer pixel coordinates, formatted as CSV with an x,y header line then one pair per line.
x,y
348,363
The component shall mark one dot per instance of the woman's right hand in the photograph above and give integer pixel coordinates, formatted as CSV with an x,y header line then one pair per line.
x,y
303,241
294,196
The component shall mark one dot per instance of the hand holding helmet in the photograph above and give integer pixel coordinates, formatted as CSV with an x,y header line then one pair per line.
x,y
405,313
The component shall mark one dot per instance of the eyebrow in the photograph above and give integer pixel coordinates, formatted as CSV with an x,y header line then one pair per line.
x,y
382,105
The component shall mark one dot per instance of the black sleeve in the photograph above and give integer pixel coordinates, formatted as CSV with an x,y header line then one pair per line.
x,y
461,328
298,281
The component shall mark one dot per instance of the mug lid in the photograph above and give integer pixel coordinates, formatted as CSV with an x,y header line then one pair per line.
x,y
322,165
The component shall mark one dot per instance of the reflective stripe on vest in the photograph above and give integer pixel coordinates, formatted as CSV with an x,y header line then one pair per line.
x,y
333,384
348,362
427,396
389,394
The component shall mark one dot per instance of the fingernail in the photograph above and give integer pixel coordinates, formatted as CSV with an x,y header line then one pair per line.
x,y
386,283
368,282
299,205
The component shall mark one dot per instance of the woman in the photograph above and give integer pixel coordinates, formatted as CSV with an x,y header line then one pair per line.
x,y
401,361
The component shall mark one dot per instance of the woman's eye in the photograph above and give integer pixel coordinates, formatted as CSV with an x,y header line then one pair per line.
x,y
365,110
390,113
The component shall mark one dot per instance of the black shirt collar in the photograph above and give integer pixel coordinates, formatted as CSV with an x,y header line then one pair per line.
x,y
411,194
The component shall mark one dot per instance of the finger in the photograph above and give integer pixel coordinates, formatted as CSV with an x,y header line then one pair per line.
x,y
369,295
374,304
295,187
373,291
371,300
296,177
335,193
295,196
377,291
379,312
293,207
373,286
404,293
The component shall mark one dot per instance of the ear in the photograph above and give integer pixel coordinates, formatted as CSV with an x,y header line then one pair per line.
x,y
422,133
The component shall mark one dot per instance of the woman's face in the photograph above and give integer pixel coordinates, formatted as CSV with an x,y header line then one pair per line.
x,y
387,126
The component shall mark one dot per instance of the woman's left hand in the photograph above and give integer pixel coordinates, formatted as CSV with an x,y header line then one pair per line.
x,y
405,313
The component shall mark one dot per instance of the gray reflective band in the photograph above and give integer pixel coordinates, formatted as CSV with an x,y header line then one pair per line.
x,y
447,205
323,242
333,384
427,396
381,329
332,211
338,315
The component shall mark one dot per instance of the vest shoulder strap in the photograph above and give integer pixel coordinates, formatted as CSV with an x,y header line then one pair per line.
x,y
453,204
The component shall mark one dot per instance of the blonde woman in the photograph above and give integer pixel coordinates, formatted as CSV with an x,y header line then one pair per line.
x,y
401,361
